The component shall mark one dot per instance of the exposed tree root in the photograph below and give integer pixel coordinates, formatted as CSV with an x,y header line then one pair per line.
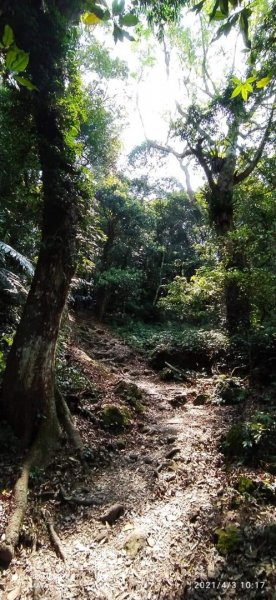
x,y
65,419
36,457
55,539
178,371
13,528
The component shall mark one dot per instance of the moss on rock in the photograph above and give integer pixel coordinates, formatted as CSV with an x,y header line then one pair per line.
x,y
115,418
131,394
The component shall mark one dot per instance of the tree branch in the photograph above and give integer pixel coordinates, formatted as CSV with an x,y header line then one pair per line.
x,y
189,188
169,150
205,73
203,162
239,177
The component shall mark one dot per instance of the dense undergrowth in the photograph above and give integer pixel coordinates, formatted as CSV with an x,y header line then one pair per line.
x,y
250,354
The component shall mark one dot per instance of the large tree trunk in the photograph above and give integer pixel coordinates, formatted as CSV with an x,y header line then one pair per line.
x,y
28,387
237,305
28,399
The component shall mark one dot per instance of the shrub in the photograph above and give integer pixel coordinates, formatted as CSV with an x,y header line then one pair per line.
x,y
252,441
229,391
195,300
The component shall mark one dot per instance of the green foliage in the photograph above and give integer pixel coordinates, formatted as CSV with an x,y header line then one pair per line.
x,y
8,36
245,485
36,474
244,88
17,258
123,285
99,14
2,362
20,185
255,219
70,378
12,286
252,441
124,282
264,489
96,58
183,346
195,300
118,7
228,539
230,391
15,60
6,341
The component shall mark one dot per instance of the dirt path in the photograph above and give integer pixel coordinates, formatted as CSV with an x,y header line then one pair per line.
x,y
168,475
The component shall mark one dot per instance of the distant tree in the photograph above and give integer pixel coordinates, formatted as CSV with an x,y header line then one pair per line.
x,y
123,221
226,137
177,224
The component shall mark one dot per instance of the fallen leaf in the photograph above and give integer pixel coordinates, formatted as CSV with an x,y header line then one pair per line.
x,y
128,527
13,594
151,542
80,547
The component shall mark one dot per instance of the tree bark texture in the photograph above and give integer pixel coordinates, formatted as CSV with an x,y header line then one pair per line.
x,y
221,207
28,399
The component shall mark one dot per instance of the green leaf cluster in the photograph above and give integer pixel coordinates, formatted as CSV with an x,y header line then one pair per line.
x,y
244,88
15,59
253,440
99,13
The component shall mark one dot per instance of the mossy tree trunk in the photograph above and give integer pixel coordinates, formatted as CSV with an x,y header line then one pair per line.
x,y
28,399
220,198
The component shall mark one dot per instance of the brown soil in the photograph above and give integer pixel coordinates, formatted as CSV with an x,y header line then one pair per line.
x,y
169,476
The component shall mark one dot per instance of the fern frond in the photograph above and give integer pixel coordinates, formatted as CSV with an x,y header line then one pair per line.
x,y
11,287
18,258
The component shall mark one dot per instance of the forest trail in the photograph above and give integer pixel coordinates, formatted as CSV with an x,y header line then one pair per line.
x,y
167,474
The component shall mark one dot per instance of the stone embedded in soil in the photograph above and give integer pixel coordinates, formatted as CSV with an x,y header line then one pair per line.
x,y
200,400
171,439
148,460
133,457
178,400
135,542
114,417
113,514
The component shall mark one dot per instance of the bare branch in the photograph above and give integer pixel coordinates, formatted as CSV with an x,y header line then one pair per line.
x,y
169,150
189,188
205,73
167,57
182,112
